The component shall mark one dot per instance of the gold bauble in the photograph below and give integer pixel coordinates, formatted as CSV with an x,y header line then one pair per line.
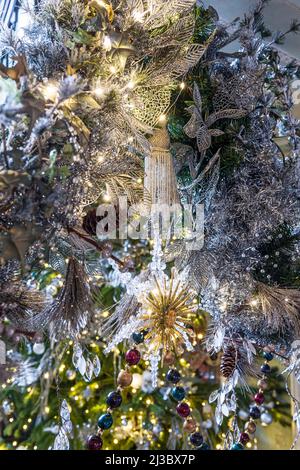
x,y
250,426
190,425
124,378
262,384
169,358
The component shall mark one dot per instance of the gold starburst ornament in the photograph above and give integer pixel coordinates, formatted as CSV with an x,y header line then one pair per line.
x,y
166,316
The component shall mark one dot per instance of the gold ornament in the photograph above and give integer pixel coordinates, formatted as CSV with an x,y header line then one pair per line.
x,y
168,309
250,427
169,358
124,378
190,425
160,178
151,103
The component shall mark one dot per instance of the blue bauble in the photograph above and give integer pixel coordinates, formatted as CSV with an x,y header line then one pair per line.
x,y
268,356
173,376
114,400
105,421
204,446
265,368
196,439
254,412
237,446
178,393
138,337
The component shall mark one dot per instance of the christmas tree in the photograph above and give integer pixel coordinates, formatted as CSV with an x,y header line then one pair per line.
x,y
149,228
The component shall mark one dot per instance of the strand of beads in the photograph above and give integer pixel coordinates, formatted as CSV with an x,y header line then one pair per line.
x,y
114,398
259,398
184,411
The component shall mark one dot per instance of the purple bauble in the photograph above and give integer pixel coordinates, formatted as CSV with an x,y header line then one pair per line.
x,y
94,442
244,438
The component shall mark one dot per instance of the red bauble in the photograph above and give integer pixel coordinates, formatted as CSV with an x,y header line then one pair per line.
x,y
259,398
132,357
183,410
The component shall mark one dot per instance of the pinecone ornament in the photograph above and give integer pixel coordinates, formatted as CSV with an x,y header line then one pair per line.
x,y
229,361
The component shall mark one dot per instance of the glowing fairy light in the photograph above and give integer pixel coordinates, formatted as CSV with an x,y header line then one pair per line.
x,y
113,69
99,92
107,44
162,118
106,197
138,16
50,92
101,3
182,86
130,106
131,85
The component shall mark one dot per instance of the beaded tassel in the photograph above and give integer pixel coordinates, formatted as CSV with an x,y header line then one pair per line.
x,y
255,411
183,410
160,179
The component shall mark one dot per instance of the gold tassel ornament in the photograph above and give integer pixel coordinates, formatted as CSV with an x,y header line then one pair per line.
x,y
160,178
